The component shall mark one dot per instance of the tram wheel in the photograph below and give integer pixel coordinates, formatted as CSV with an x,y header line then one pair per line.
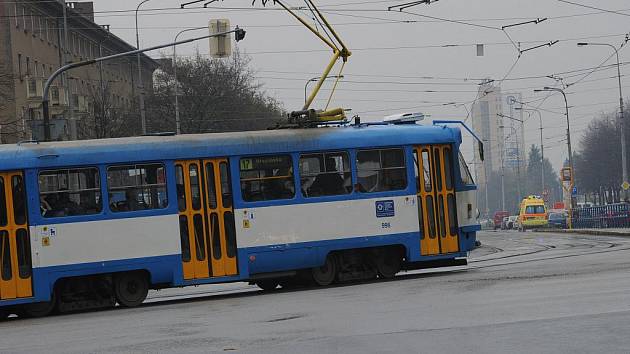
x,y
131,288
326,274
267,284
39,309
388,264
4,314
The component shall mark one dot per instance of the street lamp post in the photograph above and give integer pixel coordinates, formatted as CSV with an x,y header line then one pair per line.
x,y
177,121
143,118
622,120
316,78
566,105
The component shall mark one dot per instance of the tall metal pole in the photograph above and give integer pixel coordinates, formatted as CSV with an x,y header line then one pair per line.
x,y
566,105
622,120
177,120
143,118
502,180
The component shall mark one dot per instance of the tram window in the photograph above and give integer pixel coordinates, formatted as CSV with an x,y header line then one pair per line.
x,y
212,193
230,233
6,272
181,191
195,188
464,171
3,205
452,221
267,178
19,200
325,174
381,170
200,244
226,189
437,161
448,169
426,171
23,253
70,192
215,233
137,187
441,222
430,216
185,241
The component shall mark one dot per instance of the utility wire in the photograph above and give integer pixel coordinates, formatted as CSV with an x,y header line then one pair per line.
x,y
593,7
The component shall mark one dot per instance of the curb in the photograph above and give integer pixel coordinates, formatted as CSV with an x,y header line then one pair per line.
x,y
602,232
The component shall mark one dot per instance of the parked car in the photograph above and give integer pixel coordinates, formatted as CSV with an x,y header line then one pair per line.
x,y
557,220
504,223
498,218
511,222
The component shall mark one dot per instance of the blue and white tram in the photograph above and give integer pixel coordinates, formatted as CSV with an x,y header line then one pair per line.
x,y
91,223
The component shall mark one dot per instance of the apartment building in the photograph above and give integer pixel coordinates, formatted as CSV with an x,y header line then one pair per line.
x,y
36,38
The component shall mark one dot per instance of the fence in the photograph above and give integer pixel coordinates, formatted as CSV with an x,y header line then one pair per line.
x,y
602,216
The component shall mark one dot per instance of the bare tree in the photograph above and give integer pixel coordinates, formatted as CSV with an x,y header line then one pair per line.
x,y
598,162
107,118
214,95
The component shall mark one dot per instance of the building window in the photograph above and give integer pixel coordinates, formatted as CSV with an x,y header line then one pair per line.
x,y
267,178
24,18
28,66
19,60
40,28
324,174
381,170
137,187
32,14
70,192
17,15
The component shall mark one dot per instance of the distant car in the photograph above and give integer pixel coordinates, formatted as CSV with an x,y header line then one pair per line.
x,y
504,223
498,218
557,220
511,222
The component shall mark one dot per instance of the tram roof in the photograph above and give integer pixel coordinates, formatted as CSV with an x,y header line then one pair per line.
x,y
153,148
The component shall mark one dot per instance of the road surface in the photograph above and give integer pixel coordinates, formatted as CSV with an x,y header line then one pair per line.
x,y
521,293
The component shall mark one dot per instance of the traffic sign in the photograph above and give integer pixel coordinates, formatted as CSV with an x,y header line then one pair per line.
x,y
566,174
625,185
574,191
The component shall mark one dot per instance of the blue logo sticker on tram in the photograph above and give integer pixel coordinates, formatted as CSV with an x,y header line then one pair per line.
x,y
384,208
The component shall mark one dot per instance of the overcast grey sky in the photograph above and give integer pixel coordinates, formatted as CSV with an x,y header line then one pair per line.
x,y
397,57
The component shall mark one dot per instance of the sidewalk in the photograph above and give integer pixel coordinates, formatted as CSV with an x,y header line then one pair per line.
x,y
600,232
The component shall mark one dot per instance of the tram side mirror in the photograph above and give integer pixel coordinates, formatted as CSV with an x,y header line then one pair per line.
x,y
481,151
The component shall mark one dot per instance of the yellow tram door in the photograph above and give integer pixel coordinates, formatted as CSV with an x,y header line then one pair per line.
x,y
436,199
220,217
15,247
192,226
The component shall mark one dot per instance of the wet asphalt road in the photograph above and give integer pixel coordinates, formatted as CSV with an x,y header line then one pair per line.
x,y
521,293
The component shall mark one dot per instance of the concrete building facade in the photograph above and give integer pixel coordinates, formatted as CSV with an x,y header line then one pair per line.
x,y
36,38
487,122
